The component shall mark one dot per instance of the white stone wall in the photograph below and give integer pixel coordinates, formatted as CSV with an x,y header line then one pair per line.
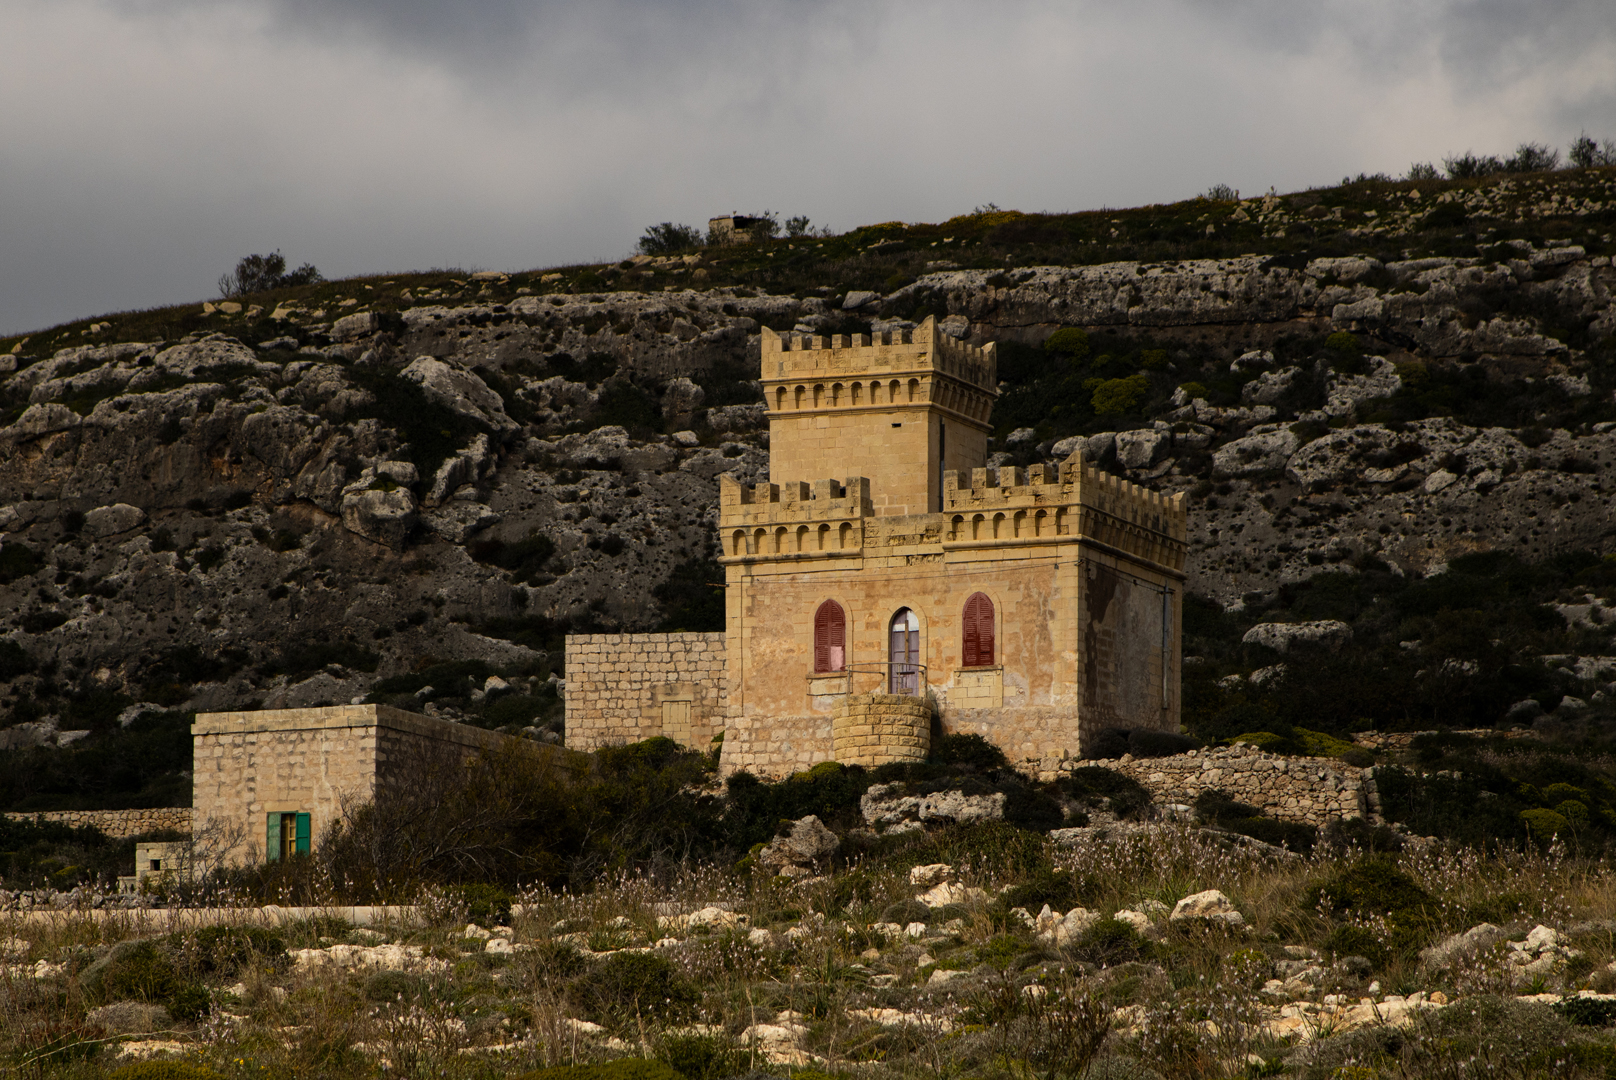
x,y
1310,790
117,823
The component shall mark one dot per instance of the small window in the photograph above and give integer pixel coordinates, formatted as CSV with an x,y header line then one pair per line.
x,y
830,637
978,644
287,834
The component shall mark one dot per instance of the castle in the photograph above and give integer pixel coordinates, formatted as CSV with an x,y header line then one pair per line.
x,y
917,590
885,581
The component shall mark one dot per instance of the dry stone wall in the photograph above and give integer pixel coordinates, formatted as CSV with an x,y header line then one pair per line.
x,y
117,823
1313,791
622,688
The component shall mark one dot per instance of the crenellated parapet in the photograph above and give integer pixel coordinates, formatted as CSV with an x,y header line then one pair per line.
x,y
797,518
804,373
1012,505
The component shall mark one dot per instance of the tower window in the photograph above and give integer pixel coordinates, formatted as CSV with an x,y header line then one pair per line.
x,y
977,647
830,638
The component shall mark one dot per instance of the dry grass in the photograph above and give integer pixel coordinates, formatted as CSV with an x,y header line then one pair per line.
x,y
1189,1003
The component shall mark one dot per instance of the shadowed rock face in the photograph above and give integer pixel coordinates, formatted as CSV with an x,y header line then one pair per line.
x,y
375,485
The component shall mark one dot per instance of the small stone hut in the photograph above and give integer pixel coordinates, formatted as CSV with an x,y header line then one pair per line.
x,y
272,780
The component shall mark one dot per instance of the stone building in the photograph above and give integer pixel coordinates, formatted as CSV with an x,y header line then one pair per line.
x,y
885,578
271,781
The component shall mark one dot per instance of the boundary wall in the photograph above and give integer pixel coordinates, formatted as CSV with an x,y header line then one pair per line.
x,y
1313,791
622,688
117,824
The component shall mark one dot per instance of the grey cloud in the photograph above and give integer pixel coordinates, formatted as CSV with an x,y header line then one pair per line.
x,y
149,143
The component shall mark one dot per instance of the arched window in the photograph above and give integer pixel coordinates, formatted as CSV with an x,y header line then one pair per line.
x,y
978,646
903,653
830,637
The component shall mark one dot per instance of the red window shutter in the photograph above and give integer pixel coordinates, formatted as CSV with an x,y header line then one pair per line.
x,y
978,644
830,637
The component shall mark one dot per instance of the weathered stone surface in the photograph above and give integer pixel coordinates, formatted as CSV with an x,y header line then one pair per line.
x,y
1282,637
129,1018
383,516
461,391
105,521
807,842
1210,906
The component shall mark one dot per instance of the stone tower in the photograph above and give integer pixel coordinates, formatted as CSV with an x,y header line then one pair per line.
x,y
901,408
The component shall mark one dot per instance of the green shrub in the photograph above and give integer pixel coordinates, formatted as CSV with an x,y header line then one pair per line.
x,y
1371,885
905,912
224,950
1343,341
133,970
1560,792
1543,824
968,749
190,1002
390,986
1353,940
624,1069
1153,359
1194,390
1069,341
701,1057
629,986
1587,1012
1266,740
1109,942
1060,889
1099,787
164,1070
1115,396
488,905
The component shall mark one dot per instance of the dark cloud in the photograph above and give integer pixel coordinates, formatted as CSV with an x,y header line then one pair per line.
x,y
147,144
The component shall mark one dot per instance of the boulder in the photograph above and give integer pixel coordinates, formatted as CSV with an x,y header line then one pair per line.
x,y
807,842
858,298
462,391
1256,453
933,874
1020,436
1269,387
352,327
738,417
111,520
1281,637
1460,946
1210,907
680,400
955,326
385,517
1140,449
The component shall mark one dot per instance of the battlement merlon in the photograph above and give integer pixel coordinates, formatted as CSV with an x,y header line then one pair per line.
x,y
1111,511
822,501
923,350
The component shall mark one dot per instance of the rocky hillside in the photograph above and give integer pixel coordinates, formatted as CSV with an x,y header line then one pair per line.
x,y
412,487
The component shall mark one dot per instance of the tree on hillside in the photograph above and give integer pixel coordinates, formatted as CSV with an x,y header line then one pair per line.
x,y
260,273
668,238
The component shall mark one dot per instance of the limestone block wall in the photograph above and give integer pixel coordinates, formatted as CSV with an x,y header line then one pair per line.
x,y
117,823
622,688
776,747
247,765
1310,790
876,729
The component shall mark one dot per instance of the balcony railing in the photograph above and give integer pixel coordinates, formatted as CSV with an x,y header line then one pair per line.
x,y
885,678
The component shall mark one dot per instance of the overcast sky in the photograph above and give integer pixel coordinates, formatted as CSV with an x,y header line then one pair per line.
x,y
145,145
